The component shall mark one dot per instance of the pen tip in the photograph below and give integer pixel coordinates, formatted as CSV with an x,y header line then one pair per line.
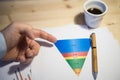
x,y
94,75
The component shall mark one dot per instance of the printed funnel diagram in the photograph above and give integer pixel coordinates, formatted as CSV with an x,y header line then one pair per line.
x,y
74,51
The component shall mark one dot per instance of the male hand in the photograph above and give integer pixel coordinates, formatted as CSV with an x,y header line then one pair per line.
x,y
20,42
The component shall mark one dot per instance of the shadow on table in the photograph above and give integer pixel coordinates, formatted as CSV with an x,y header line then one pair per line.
x,y
80,20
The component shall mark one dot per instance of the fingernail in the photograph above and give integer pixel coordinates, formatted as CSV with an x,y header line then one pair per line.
x,y
54,40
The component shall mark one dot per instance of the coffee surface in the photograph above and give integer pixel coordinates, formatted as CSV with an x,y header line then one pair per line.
x,y
94,11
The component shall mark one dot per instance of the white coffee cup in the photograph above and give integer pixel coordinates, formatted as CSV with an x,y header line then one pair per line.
x,y
93,17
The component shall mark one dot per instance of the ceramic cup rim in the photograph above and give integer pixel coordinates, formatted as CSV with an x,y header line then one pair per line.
x,y
103,3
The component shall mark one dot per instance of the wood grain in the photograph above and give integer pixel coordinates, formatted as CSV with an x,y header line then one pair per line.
x,y
52,13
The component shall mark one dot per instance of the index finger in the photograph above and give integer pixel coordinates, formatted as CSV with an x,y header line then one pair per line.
x,y
44,35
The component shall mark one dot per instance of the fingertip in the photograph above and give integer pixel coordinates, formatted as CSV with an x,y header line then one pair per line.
x,y
28,61
51,38
21,59
29,54
55,40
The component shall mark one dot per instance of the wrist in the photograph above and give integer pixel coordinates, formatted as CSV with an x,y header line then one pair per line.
x,y
3,47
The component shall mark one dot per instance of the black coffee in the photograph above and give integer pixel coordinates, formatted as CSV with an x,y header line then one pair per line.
x,y
94,11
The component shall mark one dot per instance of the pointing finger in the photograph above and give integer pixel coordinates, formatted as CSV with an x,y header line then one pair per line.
x,y
44,35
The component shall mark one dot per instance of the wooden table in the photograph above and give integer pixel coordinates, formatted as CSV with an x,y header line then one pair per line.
x,y
51,13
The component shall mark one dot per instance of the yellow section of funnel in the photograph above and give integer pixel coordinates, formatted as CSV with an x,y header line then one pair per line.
x,y
77,71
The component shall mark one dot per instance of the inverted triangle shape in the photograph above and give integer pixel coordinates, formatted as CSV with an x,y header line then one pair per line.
x,y
74,51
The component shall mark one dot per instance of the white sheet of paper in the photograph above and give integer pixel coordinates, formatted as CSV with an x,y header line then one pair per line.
x,y
50,64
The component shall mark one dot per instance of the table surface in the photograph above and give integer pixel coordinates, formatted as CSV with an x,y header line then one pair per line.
x,y
53,13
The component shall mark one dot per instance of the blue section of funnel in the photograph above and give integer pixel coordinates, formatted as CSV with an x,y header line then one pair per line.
x,y
73,45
